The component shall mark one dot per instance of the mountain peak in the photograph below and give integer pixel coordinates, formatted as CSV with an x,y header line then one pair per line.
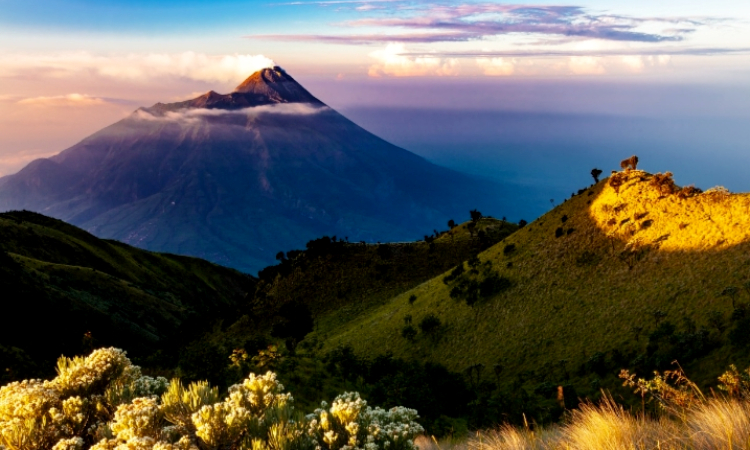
x,y
276,85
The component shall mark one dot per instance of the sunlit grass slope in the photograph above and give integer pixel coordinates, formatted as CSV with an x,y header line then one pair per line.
x,y
595,275
64,290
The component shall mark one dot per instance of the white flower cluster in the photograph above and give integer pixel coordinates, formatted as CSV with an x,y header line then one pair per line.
x,y
350,424
106,400
132,383
74,443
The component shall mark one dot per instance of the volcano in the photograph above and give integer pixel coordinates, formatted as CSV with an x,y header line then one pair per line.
x,y
235,178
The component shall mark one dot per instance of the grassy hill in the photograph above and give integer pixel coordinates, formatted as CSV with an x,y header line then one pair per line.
x,y
633,273
65,291
331,283
339,280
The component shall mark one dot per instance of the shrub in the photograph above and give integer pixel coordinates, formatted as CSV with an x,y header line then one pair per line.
x,y
595,173
412,299
102,402
509,248
688,191
522,223
559,232
629,163
617,180
455,273
408,332
430,324
663,183
587,258
494,284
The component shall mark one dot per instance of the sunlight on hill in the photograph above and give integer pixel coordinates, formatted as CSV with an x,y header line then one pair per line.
x,y
583,291
641,214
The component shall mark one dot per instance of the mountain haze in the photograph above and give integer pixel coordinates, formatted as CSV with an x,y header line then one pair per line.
x,y
234,178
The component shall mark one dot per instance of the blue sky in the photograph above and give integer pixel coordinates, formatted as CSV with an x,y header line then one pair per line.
x,y
72,67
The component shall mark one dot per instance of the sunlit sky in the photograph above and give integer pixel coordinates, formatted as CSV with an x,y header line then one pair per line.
x,y
69,68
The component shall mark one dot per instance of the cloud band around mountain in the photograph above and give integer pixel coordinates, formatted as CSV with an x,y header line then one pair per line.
x,y
197,114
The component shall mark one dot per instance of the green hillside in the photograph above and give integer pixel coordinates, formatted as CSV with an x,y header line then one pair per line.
x,y
65,291
180,316
330,283
632,273
339,280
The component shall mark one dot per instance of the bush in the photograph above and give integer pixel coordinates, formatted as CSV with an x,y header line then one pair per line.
x,y
408,332
559,232
103,402
663,183
494,284
510,248
412,299
455,273
430,324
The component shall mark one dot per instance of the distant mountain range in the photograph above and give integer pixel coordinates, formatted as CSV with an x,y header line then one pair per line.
x,y
236,178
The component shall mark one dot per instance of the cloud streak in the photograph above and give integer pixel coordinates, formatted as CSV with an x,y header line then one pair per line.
x,y
659,51
196,115
64,100
478,21
136,67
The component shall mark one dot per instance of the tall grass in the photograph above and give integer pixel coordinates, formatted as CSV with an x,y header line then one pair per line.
x,y
715,424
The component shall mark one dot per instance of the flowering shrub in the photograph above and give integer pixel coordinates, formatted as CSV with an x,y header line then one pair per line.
x,y
103,402
349,424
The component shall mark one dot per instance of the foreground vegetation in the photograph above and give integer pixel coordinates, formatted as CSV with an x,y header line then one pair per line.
x,y
103,402
684,419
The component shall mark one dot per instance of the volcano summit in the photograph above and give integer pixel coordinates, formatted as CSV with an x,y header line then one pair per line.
x,y
235,178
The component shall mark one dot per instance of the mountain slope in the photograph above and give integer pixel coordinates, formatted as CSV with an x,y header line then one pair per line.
x,y
635,277
63,290
235,178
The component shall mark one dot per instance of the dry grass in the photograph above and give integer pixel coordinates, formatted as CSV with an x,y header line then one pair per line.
x,y
717,424
430,443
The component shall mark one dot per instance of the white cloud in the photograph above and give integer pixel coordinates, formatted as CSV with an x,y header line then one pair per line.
x,y
195,115
64,100
392,62
496,66
139,67
586,65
